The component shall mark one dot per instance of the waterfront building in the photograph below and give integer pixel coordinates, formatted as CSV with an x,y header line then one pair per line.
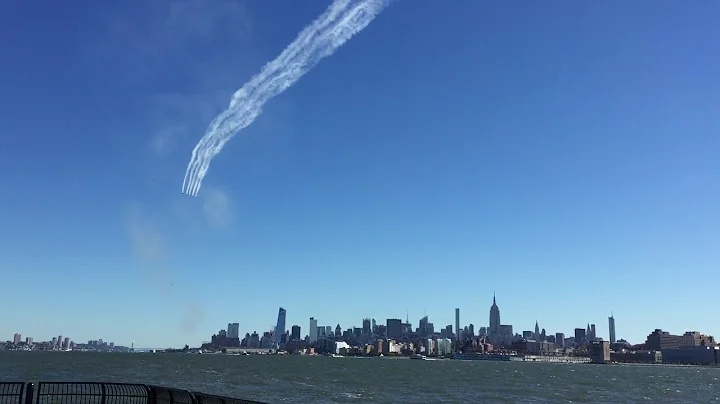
x,y
694,338
696,355
659,340
611,326
381,347
430,346
340,347
599,351
444,346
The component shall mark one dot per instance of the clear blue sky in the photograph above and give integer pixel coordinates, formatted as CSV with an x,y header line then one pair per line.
x,y
561,153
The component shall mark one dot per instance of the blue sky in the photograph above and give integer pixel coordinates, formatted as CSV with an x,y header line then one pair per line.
x,y
561,153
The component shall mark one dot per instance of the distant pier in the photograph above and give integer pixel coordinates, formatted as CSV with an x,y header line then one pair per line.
x,y
551,359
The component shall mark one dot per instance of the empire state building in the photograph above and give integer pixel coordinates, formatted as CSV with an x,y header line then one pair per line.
x,y
494,318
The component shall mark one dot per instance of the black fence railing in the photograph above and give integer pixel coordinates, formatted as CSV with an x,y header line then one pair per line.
x,y
12,393
105,393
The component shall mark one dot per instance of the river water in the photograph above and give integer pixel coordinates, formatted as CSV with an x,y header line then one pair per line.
x,y
306,380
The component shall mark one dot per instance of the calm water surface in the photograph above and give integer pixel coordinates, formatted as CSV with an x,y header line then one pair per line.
x,y
296,379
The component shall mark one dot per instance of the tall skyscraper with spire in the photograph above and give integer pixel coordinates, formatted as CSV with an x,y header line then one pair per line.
x,y
611,327
494,318
537,331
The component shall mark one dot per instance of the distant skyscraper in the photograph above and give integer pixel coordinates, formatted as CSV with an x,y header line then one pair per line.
x,y
295,334
313,330
536,335
233,330
367,326
17,338
280,327
457,324
593,333
66,343
494,318
394,328
580,336
560,339
611,326
423,329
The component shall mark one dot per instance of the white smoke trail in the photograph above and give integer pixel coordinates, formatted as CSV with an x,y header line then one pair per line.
x,y
340,22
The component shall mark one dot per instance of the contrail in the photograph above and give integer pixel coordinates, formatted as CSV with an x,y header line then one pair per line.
x,y
340,22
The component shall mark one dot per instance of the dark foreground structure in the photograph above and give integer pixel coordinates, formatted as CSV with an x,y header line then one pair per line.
x,y
104,393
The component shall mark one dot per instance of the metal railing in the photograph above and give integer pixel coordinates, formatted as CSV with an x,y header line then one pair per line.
x,y
105,393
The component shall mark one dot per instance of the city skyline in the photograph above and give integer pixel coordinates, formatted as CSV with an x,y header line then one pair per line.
x,y
493,327
567,163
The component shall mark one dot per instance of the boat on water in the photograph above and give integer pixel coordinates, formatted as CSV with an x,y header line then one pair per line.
x,y
485,357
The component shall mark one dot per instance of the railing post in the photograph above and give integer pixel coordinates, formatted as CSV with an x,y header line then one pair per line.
x,y
192,397
102,400
29,393
152,399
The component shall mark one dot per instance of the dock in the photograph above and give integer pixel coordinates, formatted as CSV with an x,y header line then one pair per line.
x,y
551,359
